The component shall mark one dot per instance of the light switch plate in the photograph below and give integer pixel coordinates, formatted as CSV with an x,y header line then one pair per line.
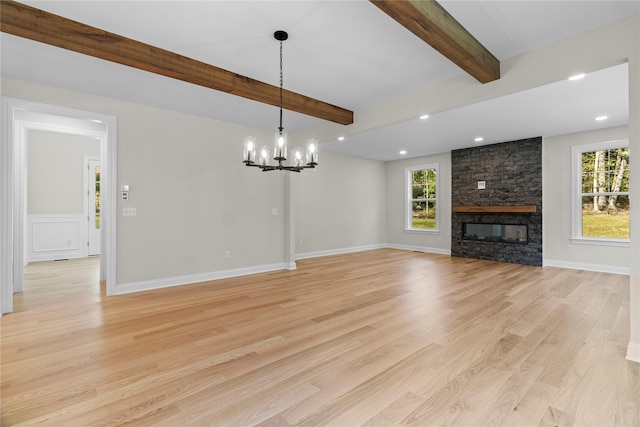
x,y
129,212
481,185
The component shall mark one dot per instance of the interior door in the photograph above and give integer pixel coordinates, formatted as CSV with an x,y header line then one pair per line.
x,y
93,179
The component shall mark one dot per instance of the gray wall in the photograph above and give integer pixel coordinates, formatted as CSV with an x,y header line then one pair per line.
x,y
397,236
55,171
557,206
340,205
195,199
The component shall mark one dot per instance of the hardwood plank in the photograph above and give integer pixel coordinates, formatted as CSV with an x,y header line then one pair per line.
x,y
393,413
25,21
382,337
509,394
532,407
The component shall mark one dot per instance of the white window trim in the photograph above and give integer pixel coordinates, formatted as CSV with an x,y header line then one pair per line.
x,y
576,193
408,199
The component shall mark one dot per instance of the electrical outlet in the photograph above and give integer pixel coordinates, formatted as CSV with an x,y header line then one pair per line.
x,y
227,254
569,248
129,212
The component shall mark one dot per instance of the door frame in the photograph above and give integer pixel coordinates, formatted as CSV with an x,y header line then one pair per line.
x,y
19,116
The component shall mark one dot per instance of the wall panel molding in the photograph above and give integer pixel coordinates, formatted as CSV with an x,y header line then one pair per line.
x,y
52,237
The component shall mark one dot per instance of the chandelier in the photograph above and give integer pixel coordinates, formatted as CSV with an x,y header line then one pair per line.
x,y
300,159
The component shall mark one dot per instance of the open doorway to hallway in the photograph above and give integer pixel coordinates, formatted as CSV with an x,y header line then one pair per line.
x,y
63,196
63,205
30,235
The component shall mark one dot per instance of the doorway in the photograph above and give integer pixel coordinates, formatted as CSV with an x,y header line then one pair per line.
x,y
18,118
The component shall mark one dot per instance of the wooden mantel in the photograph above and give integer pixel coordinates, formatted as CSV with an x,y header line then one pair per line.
x,y
495,209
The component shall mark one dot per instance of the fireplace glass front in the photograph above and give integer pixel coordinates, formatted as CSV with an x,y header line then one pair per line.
x,y
500,233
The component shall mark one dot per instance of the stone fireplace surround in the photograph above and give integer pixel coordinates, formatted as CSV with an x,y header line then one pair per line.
x,y
512,194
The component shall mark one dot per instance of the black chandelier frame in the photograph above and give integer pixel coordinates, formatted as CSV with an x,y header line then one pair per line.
x,y
281,36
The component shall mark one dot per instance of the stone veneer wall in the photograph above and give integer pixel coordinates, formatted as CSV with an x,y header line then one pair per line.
x,y
512,172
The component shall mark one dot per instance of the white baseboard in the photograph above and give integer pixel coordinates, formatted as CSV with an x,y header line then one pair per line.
x,y
426,249
585,266
633,352
148,285
58,256
341,251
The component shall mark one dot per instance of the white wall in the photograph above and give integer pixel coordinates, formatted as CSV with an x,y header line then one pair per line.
x,y
556,207
396,234
339,206
55,171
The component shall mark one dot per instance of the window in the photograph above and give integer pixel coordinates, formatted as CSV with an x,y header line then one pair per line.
x,y
601,192
422,198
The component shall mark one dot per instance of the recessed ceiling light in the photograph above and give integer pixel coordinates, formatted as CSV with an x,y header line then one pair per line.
x,y
577,77
341,138
479,139
424,117
403,152
601,118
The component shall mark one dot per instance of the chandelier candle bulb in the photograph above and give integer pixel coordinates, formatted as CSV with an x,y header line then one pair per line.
x,y
312,152
249,150
264,155
297,157
280,150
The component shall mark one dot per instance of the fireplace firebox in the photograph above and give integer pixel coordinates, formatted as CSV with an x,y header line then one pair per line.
x,y
500,233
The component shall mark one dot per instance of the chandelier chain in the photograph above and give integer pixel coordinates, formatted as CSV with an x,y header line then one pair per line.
x,y
281,85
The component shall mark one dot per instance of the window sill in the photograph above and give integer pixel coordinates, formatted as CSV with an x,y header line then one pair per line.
x,y
433,232
620,243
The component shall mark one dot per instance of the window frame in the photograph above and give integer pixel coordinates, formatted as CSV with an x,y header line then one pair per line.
x,y
577,194
408,199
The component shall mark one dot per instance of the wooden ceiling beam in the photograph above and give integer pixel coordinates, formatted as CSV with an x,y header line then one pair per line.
x,y
428,20
35,24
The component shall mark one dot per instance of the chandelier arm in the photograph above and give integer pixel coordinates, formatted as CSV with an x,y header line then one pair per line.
x,y
267,168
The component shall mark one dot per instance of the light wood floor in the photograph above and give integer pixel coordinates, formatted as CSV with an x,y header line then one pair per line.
x,y
384,337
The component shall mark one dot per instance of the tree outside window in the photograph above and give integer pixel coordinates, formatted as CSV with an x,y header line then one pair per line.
x,y
422,192
604,191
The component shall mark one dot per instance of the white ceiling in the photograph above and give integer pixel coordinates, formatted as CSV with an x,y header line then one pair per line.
x,y
347,53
